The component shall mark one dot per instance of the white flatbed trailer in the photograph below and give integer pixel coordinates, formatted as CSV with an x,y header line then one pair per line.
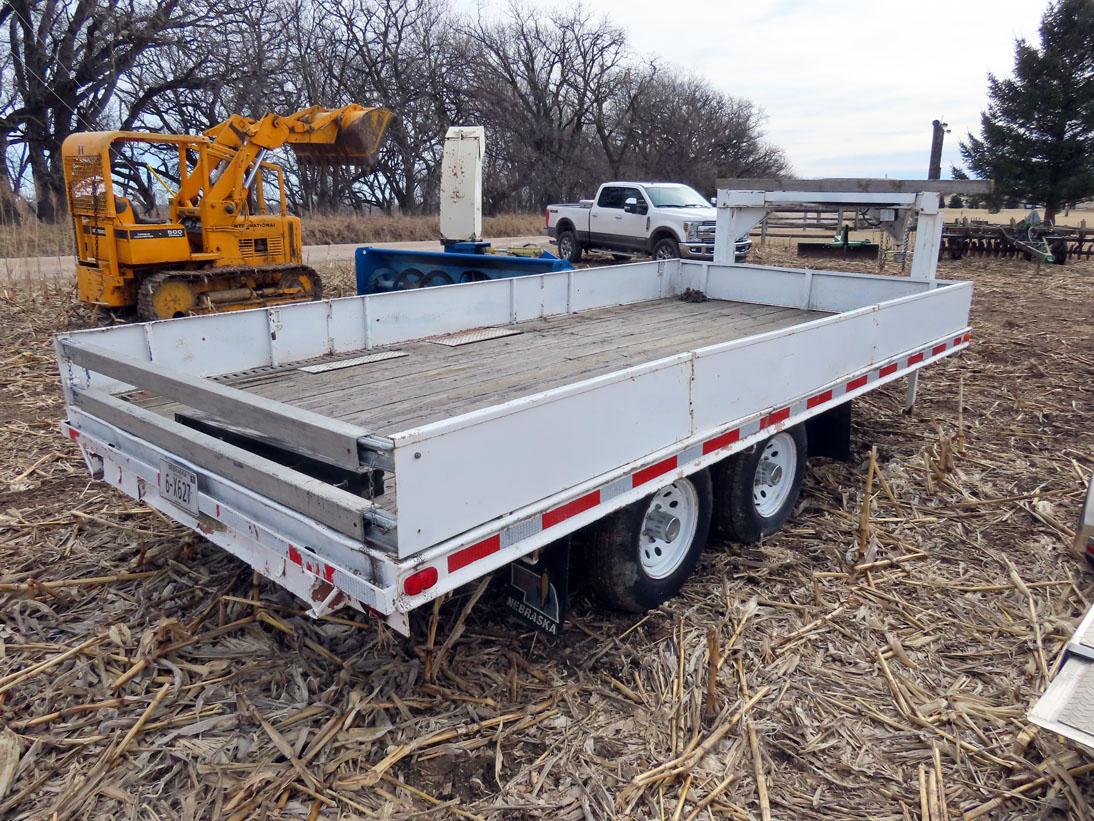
x,y
379,451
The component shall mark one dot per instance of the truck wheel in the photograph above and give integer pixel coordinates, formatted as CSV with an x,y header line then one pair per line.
x,y
666,249
756,490
642,555
568,246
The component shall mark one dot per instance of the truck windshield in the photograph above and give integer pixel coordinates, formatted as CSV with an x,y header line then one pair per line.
x,y
675,196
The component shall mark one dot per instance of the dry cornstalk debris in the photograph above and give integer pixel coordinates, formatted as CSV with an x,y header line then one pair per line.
x,y
139,678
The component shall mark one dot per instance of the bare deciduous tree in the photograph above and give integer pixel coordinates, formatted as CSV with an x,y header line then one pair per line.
x,y
565,102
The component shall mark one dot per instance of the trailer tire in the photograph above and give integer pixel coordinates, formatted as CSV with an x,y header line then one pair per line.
x,y
749,506
634,570
568,246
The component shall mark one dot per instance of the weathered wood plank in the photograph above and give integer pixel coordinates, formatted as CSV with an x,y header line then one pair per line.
x,y
435,382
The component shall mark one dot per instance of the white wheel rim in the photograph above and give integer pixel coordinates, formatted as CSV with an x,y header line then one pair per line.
x,y
774,474
668,529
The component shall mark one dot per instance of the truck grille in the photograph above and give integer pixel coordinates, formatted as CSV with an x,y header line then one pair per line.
x,y
706,231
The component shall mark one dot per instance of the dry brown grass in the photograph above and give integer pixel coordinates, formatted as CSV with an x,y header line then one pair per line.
x,y
40,239
344,230
845,686
33,238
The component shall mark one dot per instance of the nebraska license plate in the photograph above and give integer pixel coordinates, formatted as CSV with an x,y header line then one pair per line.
x,y
179,486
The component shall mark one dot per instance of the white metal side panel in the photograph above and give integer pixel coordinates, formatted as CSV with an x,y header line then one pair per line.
x,y
912,321
770,286
347,324
620,284
845,293
539,296
211,345
460,473
304,334
758,373
401,315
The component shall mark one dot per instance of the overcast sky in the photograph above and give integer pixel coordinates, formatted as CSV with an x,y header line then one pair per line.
x,y
849,90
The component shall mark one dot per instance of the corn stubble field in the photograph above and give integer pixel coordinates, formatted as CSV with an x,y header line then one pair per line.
x,y
875,659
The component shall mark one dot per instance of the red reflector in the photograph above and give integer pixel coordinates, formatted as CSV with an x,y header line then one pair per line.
x,y
857,382
564,512
73,434
719,442
479,550
914,358
819,399
653,471
957,340
419,582
775,417
887,369
937,349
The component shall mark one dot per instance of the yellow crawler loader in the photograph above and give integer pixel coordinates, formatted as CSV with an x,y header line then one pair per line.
x,y
223,239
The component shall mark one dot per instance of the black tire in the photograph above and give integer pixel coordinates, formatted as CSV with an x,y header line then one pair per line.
x,y
1059,252
666,248
616,572
568,246
736,512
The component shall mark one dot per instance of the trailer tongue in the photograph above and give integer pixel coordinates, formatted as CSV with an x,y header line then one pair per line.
x,y
378,451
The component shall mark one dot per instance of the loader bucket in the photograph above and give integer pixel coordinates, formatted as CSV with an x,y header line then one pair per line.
x,y
358,135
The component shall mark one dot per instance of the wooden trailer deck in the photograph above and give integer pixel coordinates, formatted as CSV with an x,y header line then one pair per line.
x,y
425,381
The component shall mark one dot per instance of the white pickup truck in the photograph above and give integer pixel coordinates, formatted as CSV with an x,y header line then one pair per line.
x,y
665,220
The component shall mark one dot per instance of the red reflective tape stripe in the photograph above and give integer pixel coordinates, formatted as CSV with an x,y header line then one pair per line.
x,y
721,441
819,399
328,573
775,417
914,358
937,349
564,512
857,382
295,557
479,550
653,471
887,369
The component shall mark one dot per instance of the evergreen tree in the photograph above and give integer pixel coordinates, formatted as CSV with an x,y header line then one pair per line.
x,y
1037,136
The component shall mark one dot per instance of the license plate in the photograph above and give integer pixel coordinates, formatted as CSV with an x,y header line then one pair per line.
x,y
179,486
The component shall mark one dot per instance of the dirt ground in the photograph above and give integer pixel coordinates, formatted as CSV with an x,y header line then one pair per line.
x,y
800,678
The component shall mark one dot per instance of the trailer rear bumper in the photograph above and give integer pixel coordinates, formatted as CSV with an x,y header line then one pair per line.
x,y
321,567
